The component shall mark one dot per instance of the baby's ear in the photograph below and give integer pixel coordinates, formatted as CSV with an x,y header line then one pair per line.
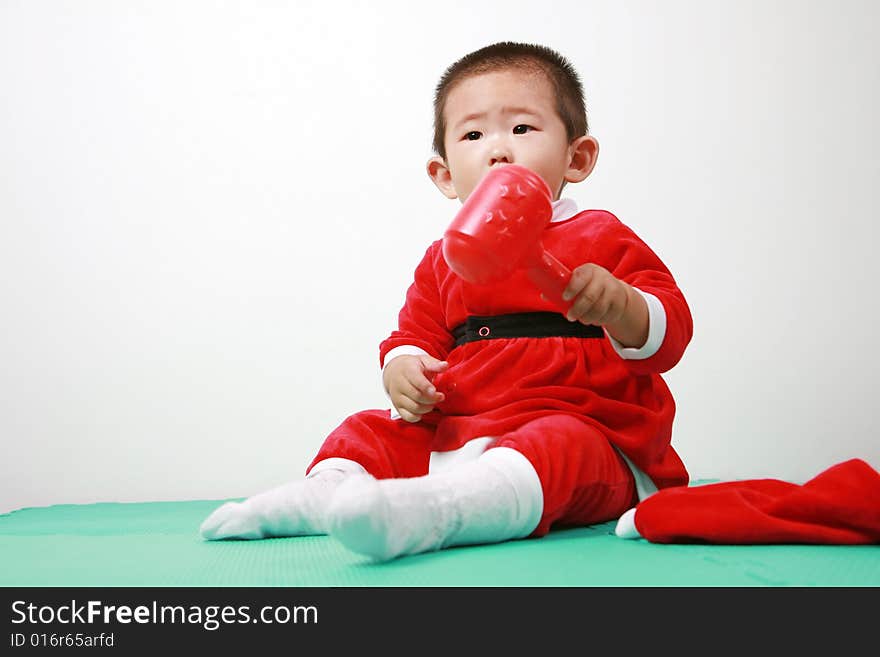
x,y
584,151
438,171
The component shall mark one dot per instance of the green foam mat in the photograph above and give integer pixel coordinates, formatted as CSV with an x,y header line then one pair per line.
x,y
157,544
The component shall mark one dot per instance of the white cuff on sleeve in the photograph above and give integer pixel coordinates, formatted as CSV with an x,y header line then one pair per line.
x,y
403,350
656,331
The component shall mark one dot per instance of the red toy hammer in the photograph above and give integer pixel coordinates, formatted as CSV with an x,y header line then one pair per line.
x,y
498,230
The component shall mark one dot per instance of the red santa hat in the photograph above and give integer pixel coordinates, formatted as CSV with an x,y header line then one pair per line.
x,y
841,505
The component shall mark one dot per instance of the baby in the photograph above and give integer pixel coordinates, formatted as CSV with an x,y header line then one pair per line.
x,y
509,417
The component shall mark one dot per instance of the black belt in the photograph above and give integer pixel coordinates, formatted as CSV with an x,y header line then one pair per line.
x,y
522,325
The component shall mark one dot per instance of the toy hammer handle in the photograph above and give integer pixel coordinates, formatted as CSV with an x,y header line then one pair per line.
x,y
551,277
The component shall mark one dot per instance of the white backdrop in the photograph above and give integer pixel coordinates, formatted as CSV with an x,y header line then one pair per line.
x,y
210,211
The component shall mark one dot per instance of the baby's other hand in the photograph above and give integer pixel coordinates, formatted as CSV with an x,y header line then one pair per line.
x,y
407,379
597,296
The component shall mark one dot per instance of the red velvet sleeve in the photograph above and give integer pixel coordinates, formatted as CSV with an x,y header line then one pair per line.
x,y
421,322
626,256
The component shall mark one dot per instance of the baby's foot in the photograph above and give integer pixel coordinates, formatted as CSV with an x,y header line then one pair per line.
x,y
386,519
232,520
626,525
294,509
495,498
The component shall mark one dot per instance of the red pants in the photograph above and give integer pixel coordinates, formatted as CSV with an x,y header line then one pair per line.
x,y
584,479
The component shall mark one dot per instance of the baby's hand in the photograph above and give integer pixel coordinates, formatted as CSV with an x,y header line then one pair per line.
x,y
597,296
408,381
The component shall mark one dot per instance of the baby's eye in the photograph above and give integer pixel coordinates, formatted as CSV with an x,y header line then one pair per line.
x,y
473,135
522,129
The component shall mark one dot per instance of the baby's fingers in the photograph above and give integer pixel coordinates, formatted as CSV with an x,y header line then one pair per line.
x,y
580,278
410,410
420,388
586,307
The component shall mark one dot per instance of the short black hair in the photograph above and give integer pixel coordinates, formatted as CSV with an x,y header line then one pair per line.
x,y
559,71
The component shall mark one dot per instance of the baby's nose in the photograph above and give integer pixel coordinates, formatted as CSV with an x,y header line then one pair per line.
x,y
500,152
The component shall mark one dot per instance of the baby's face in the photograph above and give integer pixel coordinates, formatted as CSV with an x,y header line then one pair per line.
x,y
504,117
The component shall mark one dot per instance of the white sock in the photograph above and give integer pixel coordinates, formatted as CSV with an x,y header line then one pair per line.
x,y
494,498
294,509
626,525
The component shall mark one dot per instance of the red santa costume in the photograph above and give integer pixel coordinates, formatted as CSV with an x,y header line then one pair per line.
x,y
840,505
592,417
